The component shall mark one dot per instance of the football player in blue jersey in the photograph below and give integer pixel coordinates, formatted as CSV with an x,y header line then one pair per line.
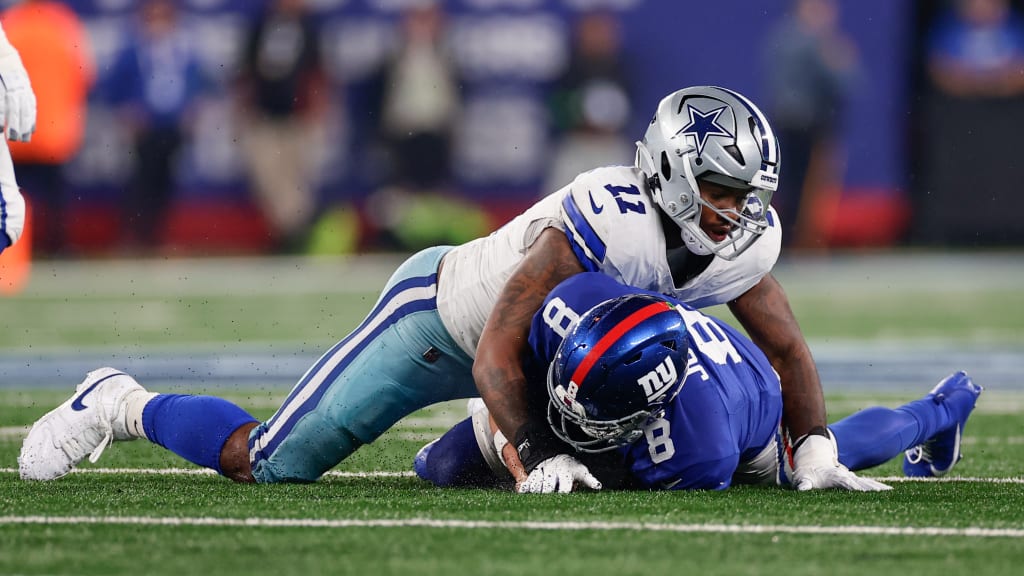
x,y
652,394
692,219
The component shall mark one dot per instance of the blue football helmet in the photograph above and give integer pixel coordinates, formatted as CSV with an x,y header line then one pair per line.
x,y
715,134
615,370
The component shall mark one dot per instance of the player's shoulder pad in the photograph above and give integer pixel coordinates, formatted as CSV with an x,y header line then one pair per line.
x,y
607,208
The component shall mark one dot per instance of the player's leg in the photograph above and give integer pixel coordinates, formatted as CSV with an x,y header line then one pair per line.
x,y
110,405
875,435
197,428
400,359
367,385
464,456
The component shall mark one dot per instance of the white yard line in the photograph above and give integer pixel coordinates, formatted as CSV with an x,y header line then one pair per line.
x,y
486,524
410,474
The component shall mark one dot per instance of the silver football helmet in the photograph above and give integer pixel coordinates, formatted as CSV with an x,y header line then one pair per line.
x,y
714,134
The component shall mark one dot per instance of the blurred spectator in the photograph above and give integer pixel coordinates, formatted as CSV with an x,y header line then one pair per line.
x,y
810,73
285,95
55,49
591,103
965,139
155,83
417,100
977,49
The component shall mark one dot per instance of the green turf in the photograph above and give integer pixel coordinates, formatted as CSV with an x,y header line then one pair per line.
x,y
993,447
317,301
130,307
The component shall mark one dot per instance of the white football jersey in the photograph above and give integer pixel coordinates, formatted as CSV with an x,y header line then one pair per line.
x,y
615,228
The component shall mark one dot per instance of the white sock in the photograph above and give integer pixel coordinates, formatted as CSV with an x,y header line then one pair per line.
x,y
134,403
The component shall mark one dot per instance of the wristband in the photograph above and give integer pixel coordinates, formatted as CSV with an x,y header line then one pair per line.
x,y
816,431
536,443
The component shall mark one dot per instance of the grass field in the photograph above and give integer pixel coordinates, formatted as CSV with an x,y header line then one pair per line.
x,y
141,510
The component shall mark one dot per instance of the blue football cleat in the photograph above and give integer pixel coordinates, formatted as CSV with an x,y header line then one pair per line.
x,y
419,463
937,455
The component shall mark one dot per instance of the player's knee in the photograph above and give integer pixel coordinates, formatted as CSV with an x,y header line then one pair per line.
x,y
455,460
234,456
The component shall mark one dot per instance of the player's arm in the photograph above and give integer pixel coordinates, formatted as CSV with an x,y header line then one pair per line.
x,y
765,313
497,368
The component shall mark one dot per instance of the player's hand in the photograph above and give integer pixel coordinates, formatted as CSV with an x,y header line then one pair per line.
x,y
816,466
18,104
558,474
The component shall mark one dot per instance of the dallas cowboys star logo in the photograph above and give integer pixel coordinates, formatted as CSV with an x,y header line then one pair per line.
x,y
703,125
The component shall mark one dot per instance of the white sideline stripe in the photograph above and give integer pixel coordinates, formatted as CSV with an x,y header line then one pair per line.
x,y
410,474
208,472
560,526
19,432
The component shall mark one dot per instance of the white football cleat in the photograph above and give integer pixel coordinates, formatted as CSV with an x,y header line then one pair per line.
x,y
82,426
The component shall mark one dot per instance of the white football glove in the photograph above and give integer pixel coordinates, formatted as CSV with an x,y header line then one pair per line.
x,y
18,104
558,474
816,466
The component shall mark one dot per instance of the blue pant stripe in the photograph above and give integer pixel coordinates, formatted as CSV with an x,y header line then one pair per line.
x,y
383,302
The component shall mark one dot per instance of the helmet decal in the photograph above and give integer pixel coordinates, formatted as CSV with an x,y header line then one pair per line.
x,y
703,125
658,380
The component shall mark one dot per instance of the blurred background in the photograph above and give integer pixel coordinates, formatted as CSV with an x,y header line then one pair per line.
x,y
213,127
183,142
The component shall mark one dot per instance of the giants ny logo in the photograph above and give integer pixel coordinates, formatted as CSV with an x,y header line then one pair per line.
x,y
656,381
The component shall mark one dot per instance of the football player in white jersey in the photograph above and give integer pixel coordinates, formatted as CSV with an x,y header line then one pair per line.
x,y
18,121
652,394
691,220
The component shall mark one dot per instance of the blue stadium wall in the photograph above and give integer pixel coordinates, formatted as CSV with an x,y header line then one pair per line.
x,y
508,50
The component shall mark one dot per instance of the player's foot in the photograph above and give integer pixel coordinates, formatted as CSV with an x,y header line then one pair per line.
x,y
84,425
937,456
419,463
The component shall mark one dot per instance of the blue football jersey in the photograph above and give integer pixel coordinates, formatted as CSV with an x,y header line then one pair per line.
x,y
729,407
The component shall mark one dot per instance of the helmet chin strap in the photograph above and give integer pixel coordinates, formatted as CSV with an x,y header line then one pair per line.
x,y
690,227
694,244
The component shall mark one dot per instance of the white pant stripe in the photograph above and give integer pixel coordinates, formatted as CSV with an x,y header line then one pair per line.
x,y
317,380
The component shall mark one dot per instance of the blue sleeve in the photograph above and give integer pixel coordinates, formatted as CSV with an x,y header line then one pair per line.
x,y
589,238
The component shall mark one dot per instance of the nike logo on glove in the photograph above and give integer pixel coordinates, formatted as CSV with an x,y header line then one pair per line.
x,y
77,404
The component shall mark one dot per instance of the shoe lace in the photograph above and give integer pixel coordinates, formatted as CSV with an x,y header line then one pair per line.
x,y
73,446
919,453
108,438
